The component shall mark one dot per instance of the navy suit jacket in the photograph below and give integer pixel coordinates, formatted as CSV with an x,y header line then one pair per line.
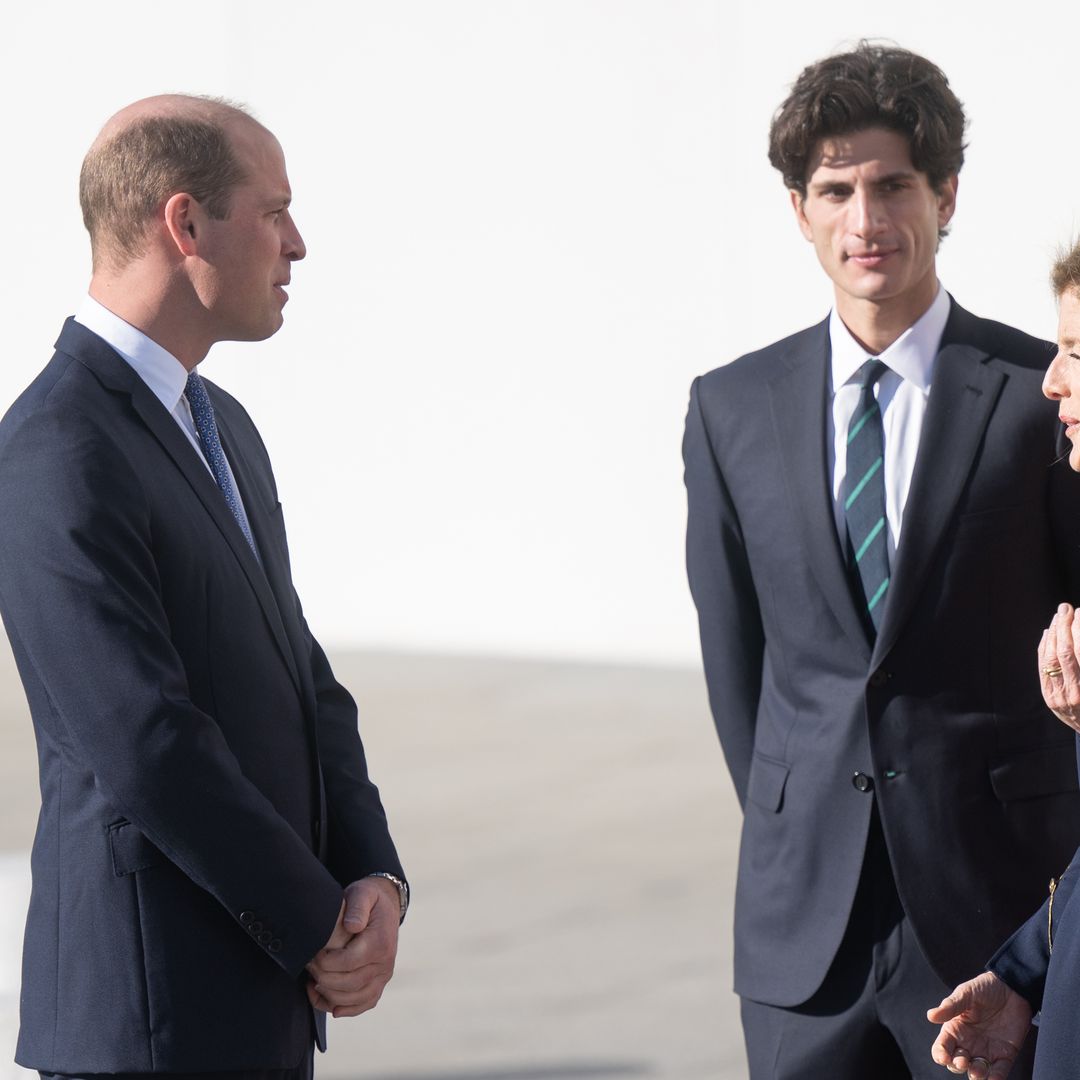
x,y
974,779
204,790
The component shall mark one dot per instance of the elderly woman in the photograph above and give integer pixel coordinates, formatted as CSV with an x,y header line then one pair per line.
x,y
984,1021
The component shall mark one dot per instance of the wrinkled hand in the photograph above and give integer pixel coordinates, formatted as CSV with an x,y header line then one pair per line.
x,y
1059,669
349,974
983,1026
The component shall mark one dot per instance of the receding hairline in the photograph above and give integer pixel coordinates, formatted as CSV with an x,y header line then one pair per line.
x,y
213,110
132,166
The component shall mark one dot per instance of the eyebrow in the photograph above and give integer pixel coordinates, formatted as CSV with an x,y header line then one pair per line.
x,y
888,178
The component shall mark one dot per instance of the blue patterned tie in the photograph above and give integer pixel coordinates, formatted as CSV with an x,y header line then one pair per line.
x,y
202,412
864,494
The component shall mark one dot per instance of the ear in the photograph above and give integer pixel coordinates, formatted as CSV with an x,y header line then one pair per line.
x,y
798,204
184,222
947,201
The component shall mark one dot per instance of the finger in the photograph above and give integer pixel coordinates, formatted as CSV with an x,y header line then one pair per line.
x,y
369,1001
1066,657
316,999
1047,657
337,962
359,1000
359,900
1050,669
943,1049
949,1008
333,985
370,947
1000,1069
354,1010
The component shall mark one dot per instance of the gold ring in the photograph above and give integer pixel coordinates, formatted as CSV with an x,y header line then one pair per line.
x,y
1053,672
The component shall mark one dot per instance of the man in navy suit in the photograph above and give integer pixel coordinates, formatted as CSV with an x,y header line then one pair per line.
x,y
212,869
877,529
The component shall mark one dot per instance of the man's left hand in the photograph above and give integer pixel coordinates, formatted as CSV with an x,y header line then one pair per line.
x,y
983,1025
349,975
1059,666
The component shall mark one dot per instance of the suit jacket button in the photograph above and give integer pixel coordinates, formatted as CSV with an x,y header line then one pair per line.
x,y
246,917
879,678
265,938
255,927
274,946
861,782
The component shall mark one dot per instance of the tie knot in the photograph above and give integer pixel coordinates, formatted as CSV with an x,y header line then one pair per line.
x,y
869,373
194,383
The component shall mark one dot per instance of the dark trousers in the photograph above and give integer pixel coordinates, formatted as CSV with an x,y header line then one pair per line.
x,y
303,1071
869,1016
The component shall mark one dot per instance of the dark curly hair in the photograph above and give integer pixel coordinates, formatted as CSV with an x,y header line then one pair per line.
x,y
872,86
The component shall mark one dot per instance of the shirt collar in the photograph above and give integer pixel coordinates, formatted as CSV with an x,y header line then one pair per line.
x,y
163,374
911,355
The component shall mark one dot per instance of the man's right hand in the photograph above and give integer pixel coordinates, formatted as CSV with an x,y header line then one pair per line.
x,y
349,974
984,1024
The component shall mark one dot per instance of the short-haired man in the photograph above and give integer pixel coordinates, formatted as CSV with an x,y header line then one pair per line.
x,y
212,870
876,529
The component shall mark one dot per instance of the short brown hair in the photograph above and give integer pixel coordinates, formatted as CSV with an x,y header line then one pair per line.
x,y
872,86
1065,273
127,176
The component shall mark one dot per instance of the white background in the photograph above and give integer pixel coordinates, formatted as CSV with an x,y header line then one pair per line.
x,y
530,223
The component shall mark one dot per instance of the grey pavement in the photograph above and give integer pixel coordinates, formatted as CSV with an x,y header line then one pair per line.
x,y
570,835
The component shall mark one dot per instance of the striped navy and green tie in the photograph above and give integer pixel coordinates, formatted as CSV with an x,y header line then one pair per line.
x,y
864,493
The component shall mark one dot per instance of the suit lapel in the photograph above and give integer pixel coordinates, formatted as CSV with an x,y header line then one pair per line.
x,y
115,374
274,571
802,390
962,399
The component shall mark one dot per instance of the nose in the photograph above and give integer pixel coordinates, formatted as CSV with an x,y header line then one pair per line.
x,y
867,216
1054,385
292,243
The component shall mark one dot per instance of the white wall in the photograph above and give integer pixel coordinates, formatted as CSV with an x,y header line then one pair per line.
x,y
530,223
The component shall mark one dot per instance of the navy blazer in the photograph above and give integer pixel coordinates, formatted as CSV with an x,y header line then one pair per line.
x,y
974,779
204,790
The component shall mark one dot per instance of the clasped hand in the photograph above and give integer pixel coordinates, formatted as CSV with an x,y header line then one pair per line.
x,y
349,974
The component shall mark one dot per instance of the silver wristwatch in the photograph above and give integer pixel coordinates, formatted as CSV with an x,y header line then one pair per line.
x,y
401,886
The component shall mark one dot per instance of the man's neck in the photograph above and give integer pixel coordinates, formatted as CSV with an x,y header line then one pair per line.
x,y
875,325
159,316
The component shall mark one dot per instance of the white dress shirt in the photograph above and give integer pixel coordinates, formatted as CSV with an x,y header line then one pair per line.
x,y
163,374
902,394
